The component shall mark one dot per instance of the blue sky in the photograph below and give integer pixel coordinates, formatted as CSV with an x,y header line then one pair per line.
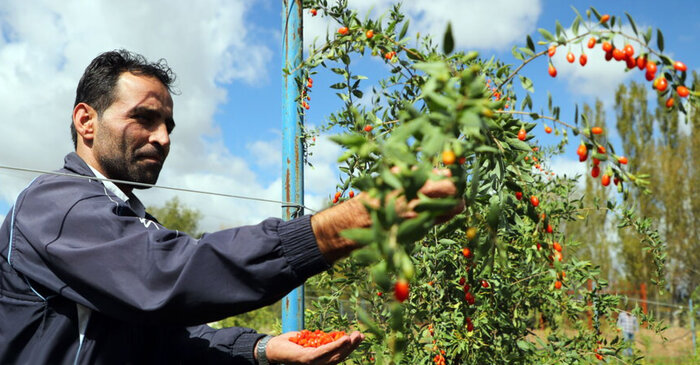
x,y
227,57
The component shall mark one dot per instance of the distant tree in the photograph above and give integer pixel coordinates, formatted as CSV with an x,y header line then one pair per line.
x,y
665,145
176,215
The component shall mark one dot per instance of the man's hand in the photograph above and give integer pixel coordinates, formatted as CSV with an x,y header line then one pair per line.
x,y
281,350
328,224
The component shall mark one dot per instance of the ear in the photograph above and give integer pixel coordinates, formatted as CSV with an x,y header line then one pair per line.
x,y
84,120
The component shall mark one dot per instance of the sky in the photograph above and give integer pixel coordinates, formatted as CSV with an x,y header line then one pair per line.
x,y
227,57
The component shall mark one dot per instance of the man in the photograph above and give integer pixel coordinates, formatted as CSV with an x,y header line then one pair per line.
x,y
89,277
627,322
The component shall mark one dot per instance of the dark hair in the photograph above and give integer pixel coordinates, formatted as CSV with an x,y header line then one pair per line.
x,y
97,85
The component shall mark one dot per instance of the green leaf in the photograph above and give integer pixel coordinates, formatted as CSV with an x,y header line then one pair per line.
x,y
345,58
526,84
414,229
435,205
404,29
448,42
546,34
559,29
357,93
634,26
340,85
518,144
647,36
530,43
660,40
363,236
575,25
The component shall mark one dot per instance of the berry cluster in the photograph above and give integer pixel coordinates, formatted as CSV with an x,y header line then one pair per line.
x,y
315,338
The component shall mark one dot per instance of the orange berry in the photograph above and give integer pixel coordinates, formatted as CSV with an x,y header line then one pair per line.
x,y
369,34
557,284
583,59
622,160
467,252
534,201
682,91
607,47
680,66
629,50
670,102
522,134
604,18
591,42
448,157
597,130
551,50
556,246
401,290
368,128
343,30
313,12
605,180
547,129
552,71
570,57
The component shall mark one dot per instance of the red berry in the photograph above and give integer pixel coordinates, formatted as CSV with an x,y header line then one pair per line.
x,y
401,290
470,325
351,194
607,47
661,84
595,171
369,34
469,297
368,128
651,67
670,102
484,283
583,59
313,12
582,152
534,201
641,62
622,160
597,130
462,280
556,246
629,50
570,57
551,50
557,284
552,71
649,76
591,42
549,228
680,66
604,18
522,134
467,252
518,195
682,91
343,30
601,149
608,56
547,129
605,180
618,54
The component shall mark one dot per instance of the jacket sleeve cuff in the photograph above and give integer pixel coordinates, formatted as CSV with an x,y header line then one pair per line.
x,y
300,247
244,347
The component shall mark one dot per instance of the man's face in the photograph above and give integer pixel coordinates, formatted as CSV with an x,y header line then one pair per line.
x,y
132,138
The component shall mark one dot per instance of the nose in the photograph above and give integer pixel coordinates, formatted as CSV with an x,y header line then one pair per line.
x,y
160,136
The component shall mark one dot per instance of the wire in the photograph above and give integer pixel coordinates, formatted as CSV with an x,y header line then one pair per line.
x,y
116,181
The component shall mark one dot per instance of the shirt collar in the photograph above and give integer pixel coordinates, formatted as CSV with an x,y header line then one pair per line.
x,y
130,199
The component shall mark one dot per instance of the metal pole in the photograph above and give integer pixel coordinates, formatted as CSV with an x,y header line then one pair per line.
x,y
692,325
292,148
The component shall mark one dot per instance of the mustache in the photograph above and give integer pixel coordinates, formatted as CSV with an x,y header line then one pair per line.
x,y
152,151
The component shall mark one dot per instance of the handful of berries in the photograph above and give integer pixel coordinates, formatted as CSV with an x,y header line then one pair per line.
x,y
315,338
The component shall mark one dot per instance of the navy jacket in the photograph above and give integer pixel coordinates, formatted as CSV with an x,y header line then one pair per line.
x,y
73,254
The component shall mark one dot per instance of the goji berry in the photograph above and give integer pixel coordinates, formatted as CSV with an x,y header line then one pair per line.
x,y
605,180
551,50
583,59
604,18
591,42
369,34
597,130
518,195
313,12
680,66
401,290
534,201
448,157
622,160
343,30
522,134
547,129
570,57
552,71
682,91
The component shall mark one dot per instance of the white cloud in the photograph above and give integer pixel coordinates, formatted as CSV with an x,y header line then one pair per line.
x,y
472,21
570,168
45,47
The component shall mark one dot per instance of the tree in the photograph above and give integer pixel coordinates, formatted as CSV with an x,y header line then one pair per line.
x,y
175,215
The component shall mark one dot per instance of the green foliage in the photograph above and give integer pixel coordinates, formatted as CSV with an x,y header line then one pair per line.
x,y
175,215
454,111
